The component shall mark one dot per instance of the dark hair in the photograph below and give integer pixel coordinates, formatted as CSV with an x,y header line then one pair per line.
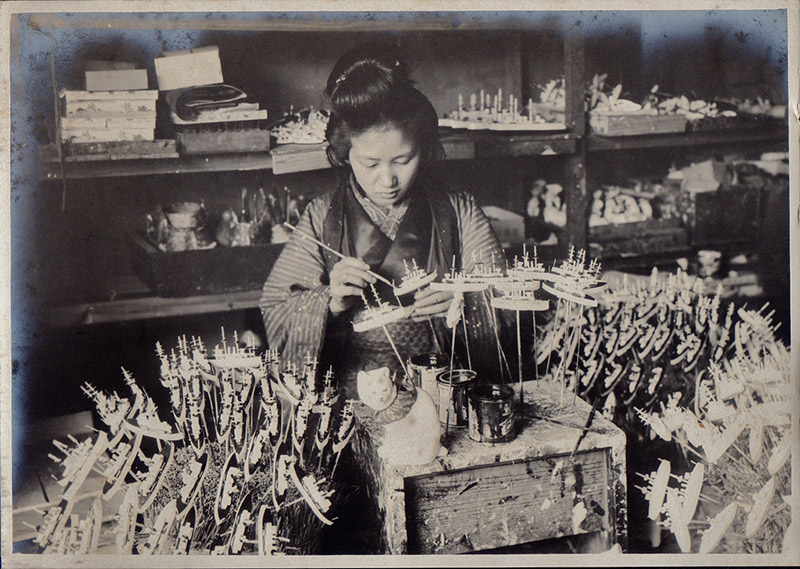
x,y
370,86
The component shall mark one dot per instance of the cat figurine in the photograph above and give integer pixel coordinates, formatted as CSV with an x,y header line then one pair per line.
x,y
411,422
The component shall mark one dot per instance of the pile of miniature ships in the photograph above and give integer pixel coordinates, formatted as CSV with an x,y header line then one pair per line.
x,y
510,289
257,412
750,393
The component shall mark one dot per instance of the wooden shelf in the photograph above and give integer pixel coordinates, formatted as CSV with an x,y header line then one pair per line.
x,y
459,146
300,22
145,307
51,170
596,143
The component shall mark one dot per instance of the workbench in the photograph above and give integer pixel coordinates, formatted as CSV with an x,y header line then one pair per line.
x,y
482,497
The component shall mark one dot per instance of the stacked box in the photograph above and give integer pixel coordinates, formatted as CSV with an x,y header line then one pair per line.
x,y
108,116
233,125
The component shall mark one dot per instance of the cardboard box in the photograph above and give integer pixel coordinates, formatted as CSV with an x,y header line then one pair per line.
x,y
509,226
73,96
109,120
106,134
116,80
83,108
189,68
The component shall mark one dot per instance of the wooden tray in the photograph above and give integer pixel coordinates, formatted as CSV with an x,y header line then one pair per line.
x,y
630,124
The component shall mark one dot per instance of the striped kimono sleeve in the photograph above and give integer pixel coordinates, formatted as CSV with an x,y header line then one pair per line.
x,y
295,297
479,244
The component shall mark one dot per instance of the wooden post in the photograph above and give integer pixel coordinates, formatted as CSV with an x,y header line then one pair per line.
x,y
575,174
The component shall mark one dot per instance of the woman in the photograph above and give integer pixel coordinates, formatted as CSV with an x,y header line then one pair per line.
x,y
388,208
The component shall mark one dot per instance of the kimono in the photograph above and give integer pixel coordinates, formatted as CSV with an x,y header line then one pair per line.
x,y
441,230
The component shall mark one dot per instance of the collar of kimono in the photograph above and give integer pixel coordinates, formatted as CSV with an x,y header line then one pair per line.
x,y
387,219
444,242
400,407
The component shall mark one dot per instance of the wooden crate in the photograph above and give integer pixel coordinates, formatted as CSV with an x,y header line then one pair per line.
x,y
481,497
638,238
205,271
629,124
728,215
224,141
287,158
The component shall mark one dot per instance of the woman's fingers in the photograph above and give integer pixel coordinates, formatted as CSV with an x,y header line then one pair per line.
x,y
428,303
351,271
348,278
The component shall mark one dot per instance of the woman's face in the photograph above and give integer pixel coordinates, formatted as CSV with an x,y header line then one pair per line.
x,y
385,164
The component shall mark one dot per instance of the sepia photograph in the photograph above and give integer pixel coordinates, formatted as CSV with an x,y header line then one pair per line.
x,y
304,283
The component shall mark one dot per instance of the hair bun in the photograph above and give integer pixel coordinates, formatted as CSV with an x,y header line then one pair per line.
x,y
367,71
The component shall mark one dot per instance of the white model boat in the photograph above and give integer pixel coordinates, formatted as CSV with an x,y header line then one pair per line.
x,y
235,356
414,279
376,317
527,269
520,299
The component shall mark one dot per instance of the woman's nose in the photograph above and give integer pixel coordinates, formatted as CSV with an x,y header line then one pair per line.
x,y
388,177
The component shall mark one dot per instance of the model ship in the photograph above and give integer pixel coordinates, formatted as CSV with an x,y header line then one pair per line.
x,y
414,278
526,269
460,282
234,356
487,113
380,316
227,424
574,282
519,299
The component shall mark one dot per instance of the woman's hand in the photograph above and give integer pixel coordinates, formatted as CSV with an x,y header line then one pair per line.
x,y
348,278
430,303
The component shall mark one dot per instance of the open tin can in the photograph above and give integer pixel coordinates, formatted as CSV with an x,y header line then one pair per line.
x,y
453,386
491,413
424,369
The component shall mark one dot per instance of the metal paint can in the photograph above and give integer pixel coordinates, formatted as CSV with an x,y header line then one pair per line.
x,y
423,369
453,406
491,413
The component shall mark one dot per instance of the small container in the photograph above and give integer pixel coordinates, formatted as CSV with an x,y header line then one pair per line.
x,y
708,263
453,407
424,369
491,413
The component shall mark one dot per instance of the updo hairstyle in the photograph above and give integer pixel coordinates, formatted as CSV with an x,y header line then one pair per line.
x,y
370,87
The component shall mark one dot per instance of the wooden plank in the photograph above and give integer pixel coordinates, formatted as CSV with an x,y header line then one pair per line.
x,y
577,202
157,166
360,22
574,81
151,307
507,504
604,143
492,145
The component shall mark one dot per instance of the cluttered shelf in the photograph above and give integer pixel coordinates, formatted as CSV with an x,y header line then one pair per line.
x,y
771,133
